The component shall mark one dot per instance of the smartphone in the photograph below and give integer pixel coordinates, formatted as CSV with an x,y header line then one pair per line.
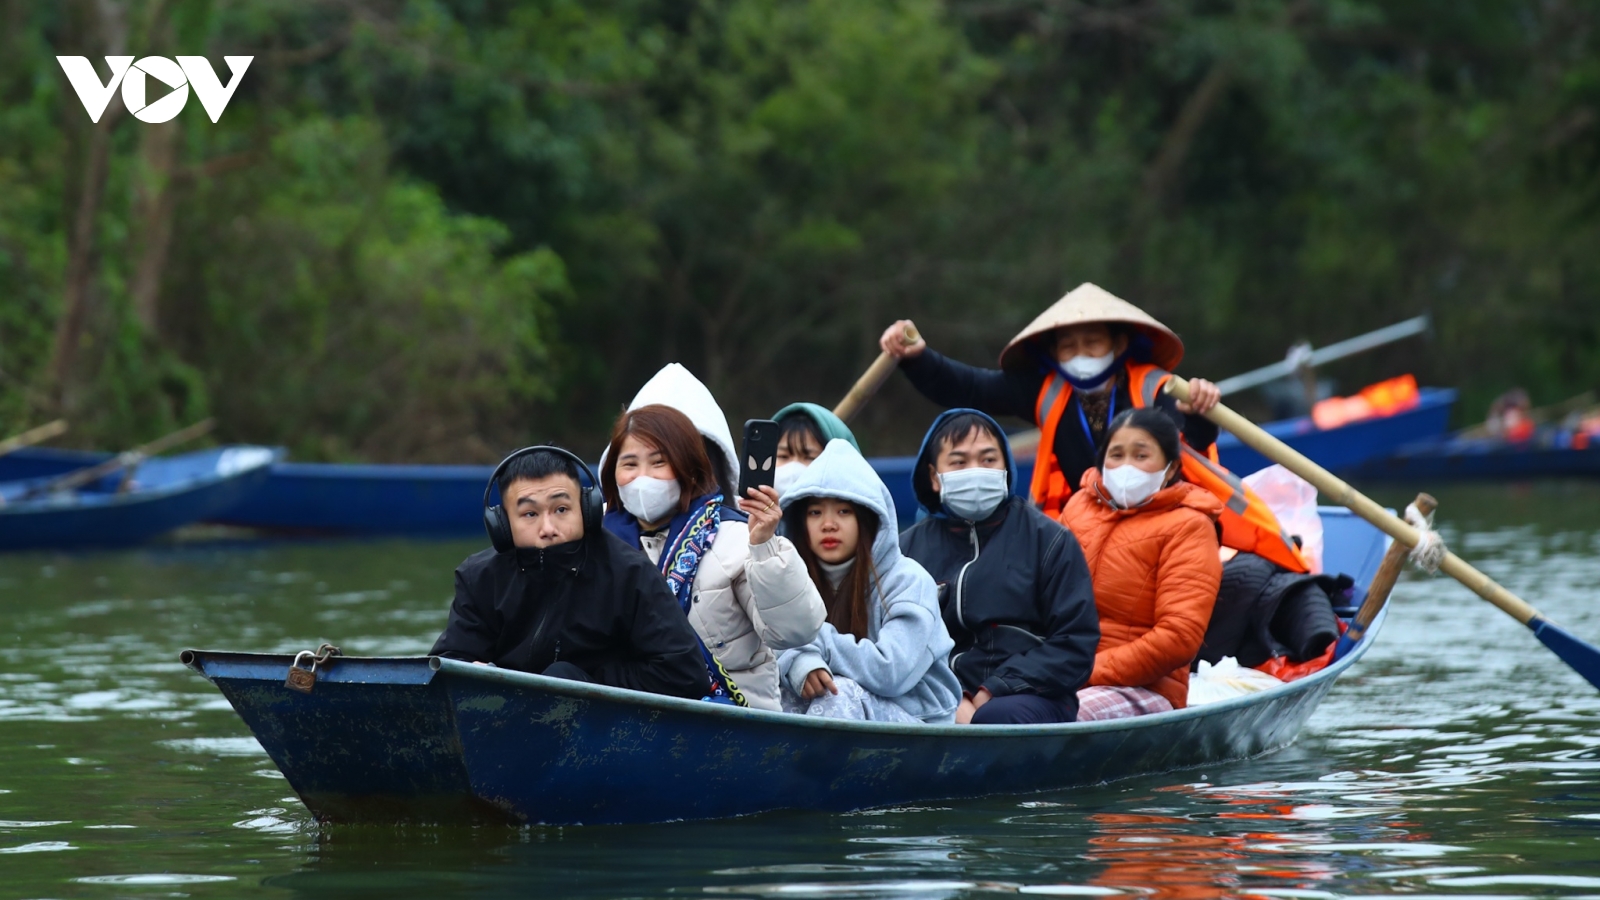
x,y
759,456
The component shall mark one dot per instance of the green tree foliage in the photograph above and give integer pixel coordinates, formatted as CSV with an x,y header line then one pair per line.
x,y
430,231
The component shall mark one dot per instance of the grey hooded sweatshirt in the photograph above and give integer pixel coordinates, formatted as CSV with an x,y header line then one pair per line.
x,y
904,657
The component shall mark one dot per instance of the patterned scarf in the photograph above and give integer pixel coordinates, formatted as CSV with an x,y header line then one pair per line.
x,y
680,560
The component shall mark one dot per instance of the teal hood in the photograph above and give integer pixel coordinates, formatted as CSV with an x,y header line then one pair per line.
x,y
831,426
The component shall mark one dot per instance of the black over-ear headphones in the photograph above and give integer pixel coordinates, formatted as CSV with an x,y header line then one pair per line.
x,y
498,524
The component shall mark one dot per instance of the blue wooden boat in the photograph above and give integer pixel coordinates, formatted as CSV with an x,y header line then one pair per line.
x,y
446,501
1461,458
434,740
332,498
1346,447
324,498
165,493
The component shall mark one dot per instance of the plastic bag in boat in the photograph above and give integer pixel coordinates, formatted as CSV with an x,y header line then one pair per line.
x,y
1226,680
1294,501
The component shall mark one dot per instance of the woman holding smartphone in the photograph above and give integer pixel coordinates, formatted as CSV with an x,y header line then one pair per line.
x,y
663,496
881,655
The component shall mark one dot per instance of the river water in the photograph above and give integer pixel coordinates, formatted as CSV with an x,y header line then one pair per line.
x,y
1459,759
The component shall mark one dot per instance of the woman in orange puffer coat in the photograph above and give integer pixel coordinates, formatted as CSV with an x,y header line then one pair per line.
x,y
1151,542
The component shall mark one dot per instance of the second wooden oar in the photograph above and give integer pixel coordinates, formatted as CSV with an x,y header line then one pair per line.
x,y
1394,562
33,436
872,379
1584,658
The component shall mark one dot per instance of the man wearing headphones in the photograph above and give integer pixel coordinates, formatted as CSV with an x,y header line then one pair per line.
x,y
561,596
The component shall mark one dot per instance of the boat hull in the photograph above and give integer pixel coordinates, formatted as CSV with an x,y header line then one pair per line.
x,y
435,740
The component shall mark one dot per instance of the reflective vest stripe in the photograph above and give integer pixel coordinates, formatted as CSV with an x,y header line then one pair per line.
x,y
1047,397
1152,387
1236,500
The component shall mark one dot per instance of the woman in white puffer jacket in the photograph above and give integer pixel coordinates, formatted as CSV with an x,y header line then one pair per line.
x,y
663,496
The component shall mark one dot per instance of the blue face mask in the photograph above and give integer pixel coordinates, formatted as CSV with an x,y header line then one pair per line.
x,y
973,494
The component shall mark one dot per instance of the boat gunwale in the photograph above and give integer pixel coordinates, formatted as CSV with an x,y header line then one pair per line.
x,y
560,687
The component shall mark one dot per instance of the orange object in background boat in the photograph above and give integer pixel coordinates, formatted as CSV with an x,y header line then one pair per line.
x,y
1374,401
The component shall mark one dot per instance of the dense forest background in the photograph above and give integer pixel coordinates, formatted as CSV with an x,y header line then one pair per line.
x,y
430,231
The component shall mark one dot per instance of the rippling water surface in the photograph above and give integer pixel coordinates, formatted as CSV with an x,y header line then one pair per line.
x,y
1460,758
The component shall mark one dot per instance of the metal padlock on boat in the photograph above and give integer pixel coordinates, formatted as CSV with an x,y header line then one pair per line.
x,y
302,672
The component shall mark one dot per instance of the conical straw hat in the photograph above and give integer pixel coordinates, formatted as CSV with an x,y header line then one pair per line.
x,y
1090,303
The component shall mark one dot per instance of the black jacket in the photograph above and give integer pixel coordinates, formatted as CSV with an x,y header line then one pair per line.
x,y
596,603
1015,592
1264,610
1000,393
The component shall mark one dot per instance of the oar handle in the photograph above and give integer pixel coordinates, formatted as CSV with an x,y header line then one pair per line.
x,y
33,436
1337,491
873,378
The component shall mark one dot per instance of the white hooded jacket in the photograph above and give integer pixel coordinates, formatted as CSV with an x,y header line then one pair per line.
x,y
743,632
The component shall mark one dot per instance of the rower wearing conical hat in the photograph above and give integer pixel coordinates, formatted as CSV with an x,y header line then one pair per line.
x,y
1079,363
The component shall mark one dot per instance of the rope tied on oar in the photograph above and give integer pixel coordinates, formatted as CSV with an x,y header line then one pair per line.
x,y
1430,550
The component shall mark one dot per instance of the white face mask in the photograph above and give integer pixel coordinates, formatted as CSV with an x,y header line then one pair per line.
x,y
972,494
1087,368
1131,486
784,477
650,499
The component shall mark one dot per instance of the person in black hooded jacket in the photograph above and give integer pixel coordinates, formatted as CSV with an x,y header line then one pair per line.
x,y
569,602
1014,586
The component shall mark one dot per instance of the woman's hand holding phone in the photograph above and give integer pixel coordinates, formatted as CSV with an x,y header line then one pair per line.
x,y
762,508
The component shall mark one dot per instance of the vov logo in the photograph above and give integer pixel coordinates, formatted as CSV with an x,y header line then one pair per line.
x,y
188,71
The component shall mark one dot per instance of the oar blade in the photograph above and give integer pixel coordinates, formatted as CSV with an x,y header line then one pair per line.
x,y
1583,657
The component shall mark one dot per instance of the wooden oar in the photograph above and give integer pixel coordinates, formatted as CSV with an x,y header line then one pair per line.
x,y
74,480
1584,658
872,379
1394,561
33,436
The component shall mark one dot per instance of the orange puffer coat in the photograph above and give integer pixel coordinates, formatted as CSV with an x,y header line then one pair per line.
x,y
1156,574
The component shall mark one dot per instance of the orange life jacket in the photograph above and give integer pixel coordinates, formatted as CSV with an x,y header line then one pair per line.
x,y
1248,524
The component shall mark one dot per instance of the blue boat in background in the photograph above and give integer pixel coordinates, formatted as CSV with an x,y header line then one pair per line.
x,y
164,493
332,498
446,501
423,739
323,498
1461,458
1343,449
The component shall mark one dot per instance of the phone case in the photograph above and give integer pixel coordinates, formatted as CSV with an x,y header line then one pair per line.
x,y
759,457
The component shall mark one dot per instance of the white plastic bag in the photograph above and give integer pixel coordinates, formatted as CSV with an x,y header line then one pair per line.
x,y
1294,501
1226,680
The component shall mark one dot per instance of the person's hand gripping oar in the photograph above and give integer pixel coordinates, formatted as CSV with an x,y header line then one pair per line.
x,y
1584,658
879,371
